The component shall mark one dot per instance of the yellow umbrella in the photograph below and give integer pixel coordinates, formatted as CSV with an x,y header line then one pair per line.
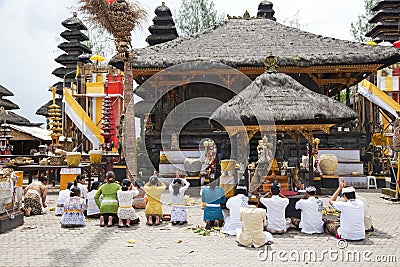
x,y
370,42
97,58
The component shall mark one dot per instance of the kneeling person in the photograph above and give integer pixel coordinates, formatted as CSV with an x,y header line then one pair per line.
x,y
311,213
276,205
253,222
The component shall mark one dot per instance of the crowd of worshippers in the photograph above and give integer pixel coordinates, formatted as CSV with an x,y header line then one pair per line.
x,y
253,223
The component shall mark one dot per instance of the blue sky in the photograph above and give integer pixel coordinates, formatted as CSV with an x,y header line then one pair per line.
x,y
30,31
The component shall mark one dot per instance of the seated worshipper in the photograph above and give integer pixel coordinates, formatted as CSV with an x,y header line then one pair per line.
x,y
367,217
138,201
351,226
234,204
276,205
81,184
35,196
252,231
213,196
125,209
73,209
109,204
62,197
154,189
92,210
311,213
177,189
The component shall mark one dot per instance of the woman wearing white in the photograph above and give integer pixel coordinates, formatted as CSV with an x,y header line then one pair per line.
x,y
177,188
63,196
125,209
234,204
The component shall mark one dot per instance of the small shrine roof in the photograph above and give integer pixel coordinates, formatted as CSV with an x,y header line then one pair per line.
x,y
278,99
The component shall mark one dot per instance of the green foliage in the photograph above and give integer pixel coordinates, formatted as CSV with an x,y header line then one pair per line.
x,y
295,22
100,42
361,26
195,16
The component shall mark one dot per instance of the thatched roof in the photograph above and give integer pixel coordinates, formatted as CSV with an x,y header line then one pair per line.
x,y
277,98
7,104
13,118
5,92
44,110
246,42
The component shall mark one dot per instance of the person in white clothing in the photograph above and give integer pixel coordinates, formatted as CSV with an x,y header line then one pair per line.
x,y
125,209
276,205
63,196
311,213
92,210
351,225
177,189
367,216
234,204
81,179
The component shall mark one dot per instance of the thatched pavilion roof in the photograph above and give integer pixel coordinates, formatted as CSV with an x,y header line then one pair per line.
x,y
246,42
277,98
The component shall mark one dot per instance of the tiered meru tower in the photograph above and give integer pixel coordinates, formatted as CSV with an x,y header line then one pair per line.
x,y
73,48
386,20
164,29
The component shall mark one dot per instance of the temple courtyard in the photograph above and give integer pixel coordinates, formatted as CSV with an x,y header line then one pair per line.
x,y
40,241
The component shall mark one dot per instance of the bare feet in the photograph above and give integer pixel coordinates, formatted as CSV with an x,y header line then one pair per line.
x,y
110,221
28,212
157,220
101,221
150,220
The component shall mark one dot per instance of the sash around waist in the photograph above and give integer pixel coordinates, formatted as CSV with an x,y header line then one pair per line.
x,y
213,205
109,201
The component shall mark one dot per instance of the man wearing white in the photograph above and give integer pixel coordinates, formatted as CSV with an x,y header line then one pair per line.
x,y
311,213
251,233
352,214
276,205
234,204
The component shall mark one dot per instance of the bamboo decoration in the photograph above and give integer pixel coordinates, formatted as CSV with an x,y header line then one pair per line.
x,y
55,118
119,18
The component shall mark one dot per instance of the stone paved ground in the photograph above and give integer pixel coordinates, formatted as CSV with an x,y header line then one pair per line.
x,y
42,242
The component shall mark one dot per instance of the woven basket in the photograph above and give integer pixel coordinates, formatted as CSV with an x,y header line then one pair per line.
x,y
56,160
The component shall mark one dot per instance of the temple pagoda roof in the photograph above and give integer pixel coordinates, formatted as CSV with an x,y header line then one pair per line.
x,y
44,109
74,23
7,104
164,29
386,4
5,92
74,47
13,118
74,35
386,14
246,42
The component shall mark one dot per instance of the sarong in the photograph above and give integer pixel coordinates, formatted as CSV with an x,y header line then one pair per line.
x,y
178,214
33,201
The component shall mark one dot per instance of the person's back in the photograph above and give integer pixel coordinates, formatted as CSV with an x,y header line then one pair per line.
x,y
253,221
351,219
234,204
367,217
92,208
62,198
276,206
311,215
